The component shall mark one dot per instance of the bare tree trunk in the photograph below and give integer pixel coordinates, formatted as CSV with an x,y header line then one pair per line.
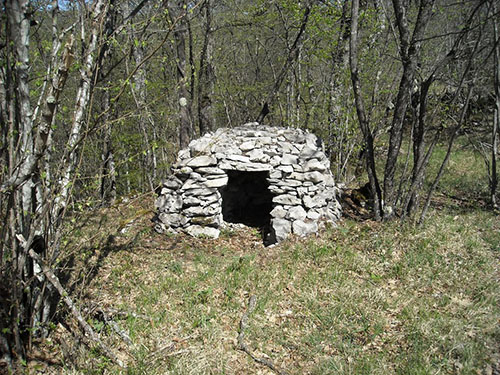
x,y
100,8
178,13
21,163
19,20
108,174
206,79
410,55
146,121
496,119
19,186
360,110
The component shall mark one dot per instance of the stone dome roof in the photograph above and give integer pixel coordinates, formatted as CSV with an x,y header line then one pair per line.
x,y
275,178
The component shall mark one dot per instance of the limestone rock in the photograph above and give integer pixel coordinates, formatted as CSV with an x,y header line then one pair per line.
x,y
287,199
173,183
296,213
314,165
215,183
201,146
173,220
280,229
289,159
210,171
278,212
302,228
247,146
200,161
198,231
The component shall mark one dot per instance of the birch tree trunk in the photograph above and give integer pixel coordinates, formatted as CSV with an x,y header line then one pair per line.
x,y
496,119
26,146
18,16
98,14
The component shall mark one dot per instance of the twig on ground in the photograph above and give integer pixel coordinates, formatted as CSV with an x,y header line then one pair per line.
x,y
168,348
89,332
244,348
111,313
120,332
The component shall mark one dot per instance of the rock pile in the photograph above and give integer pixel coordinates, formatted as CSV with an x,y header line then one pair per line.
x,y
276,178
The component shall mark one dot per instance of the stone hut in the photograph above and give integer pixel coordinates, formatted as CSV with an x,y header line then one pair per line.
x,y
277,179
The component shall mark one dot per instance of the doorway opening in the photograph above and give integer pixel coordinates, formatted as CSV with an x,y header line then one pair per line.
x,y
246,199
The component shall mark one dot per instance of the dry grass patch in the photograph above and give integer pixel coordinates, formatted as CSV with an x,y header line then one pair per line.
x,y
363,298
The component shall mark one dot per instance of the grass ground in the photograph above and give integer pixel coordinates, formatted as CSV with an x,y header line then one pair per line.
x,y
360,298
363,298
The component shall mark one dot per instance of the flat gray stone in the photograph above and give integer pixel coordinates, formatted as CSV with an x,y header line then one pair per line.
x,y
258,156
275,160
209,221
215,183
209,199
287,148
165,191
275,173
285,168
184,171
172,220
314,165
201,145
192,184
315,177
289,159
263,141
195,211
289,182
313,215
247,146
192,201
172,203
198,192
296,213
184,154
280,229
172,182
276,190
297,176
240,158
198,231
221,151
287,199
210,171
302,228
278,212
251,167
201,161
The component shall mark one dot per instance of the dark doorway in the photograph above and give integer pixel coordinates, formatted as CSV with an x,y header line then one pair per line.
x,y
246,199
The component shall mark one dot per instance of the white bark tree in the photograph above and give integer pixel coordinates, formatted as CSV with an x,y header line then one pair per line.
x,y
32,209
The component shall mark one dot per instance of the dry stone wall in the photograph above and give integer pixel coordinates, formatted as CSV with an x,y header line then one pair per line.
x,y
208,183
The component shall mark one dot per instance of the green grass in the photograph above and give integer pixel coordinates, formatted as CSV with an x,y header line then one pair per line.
x,y
363,298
